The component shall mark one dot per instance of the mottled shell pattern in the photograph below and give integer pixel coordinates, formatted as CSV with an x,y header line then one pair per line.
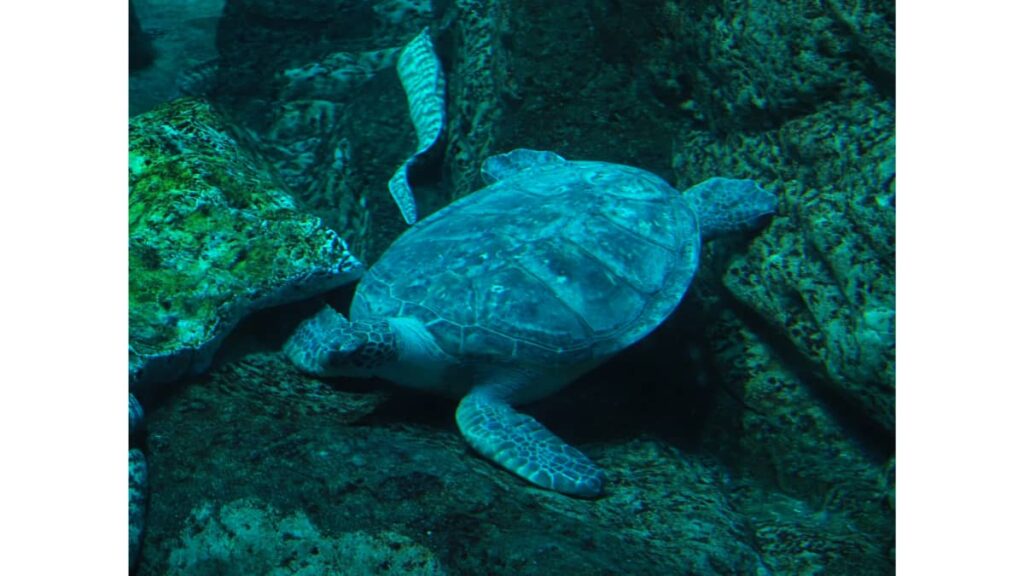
x,y
561,261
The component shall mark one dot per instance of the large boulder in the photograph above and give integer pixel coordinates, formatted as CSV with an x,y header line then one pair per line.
x,y
823,274
212,237
799,96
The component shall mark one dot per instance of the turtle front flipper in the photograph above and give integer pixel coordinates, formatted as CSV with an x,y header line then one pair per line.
x,y
329,345
525,447
315,338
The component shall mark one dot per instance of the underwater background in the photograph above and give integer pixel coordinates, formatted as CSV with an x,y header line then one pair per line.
x,y
751,433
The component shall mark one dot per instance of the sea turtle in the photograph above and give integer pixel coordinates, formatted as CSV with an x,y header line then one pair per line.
x,y
509,294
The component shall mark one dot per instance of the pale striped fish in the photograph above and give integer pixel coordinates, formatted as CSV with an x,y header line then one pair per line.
x,y
423,80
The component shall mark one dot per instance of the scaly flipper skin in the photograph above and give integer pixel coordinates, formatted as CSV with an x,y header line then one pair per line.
x,y
309,346
525,447
329,345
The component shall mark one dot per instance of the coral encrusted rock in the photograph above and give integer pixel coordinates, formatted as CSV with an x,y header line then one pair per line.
x,y
212,237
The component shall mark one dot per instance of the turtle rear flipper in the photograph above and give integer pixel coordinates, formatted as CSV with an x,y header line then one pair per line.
x,y
525,447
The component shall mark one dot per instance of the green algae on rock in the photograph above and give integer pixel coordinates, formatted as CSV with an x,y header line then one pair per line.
x,y
212,237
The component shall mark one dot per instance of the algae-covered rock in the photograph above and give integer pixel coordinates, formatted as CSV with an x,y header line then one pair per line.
x,y
794,98
212,237
796,538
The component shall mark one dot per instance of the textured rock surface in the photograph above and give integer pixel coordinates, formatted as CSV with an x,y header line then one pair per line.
x,y
747,65
256,429
212,238
824,272
137,489
474,89
244,537
807,461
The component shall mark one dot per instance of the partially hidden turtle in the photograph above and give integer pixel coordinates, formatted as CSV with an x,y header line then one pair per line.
x,y
512,292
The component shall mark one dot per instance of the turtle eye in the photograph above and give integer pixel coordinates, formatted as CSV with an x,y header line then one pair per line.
x,y
340,359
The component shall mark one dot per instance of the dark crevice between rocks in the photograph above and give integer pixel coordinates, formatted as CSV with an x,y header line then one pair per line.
x,y
878,444
141,53
659,387
881,77
406,407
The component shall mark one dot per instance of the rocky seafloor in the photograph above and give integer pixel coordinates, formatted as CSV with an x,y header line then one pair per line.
x,y
753,433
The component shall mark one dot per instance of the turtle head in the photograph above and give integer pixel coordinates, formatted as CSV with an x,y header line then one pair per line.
x,y
329,345
725,205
